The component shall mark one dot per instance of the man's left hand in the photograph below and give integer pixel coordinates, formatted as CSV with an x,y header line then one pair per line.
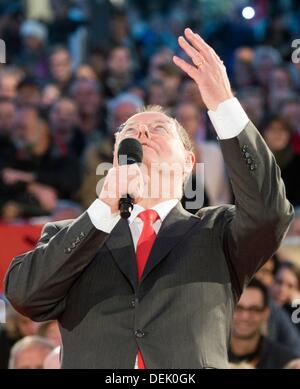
x,y
208,71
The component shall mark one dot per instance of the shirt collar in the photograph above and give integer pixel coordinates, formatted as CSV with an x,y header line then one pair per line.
x,y
163,209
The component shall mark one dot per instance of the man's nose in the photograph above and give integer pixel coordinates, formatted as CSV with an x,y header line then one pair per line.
x,y
143,131
244,315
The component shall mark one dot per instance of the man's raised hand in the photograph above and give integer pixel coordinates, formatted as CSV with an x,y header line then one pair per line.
x,y
208,70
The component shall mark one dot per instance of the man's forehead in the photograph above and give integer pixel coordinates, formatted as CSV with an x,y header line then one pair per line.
x,y
148,117
251,296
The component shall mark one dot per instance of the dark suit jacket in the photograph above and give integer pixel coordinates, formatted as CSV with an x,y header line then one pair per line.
x,y
180,314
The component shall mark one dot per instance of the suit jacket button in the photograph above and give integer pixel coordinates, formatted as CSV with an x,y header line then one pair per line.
x,y
139,333
68,250
132,303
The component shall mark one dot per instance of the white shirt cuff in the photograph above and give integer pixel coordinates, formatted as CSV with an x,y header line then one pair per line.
x,y
229,119
101,216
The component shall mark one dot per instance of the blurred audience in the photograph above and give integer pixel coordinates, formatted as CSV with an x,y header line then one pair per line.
x,y
50,331
35,176
294,364
7,119
9,79
278,133
17,327
290,111
285,290
65,129
286,284
294,230
33,56
30,353
88,97
60,67
52,360
66,89
248,344
279,326
28,92
119,71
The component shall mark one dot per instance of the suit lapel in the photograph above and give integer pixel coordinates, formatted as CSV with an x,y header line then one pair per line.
x,y
177,223
120,243
121,247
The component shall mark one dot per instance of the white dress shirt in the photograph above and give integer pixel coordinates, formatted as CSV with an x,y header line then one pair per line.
x,y
228,120
102,218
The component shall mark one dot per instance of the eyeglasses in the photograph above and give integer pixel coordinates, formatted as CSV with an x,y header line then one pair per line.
x,y
253,310
156,128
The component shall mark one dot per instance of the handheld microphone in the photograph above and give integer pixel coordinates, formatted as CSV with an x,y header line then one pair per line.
x,y
130,151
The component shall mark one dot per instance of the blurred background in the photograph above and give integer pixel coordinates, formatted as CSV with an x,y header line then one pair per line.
x,y
76,69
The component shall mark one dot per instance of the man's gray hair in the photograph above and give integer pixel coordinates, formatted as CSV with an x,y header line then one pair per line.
x,y
26,343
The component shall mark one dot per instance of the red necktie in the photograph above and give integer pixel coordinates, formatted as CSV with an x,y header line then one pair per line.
x,y
143,250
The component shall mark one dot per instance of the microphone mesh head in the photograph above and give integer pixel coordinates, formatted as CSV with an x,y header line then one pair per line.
x,y
130,151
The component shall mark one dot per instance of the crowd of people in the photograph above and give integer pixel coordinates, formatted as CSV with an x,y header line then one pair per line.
x,y
57,124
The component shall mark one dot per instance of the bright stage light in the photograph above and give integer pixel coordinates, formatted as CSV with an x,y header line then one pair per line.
x,y
248,13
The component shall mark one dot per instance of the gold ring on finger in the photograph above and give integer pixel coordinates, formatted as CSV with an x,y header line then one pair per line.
x,y
198,62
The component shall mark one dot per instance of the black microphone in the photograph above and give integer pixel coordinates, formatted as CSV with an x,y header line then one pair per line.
x,y
130,151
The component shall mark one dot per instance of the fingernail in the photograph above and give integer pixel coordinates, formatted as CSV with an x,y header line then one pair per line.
x,y
189,31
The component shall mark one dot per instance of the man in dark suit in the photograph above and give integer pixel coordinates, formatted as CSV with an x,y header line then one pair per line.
x,y
158,290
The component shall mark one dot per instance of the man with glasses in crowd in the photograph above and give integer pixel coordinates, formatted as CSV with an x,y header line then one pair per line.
x,y
248,344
